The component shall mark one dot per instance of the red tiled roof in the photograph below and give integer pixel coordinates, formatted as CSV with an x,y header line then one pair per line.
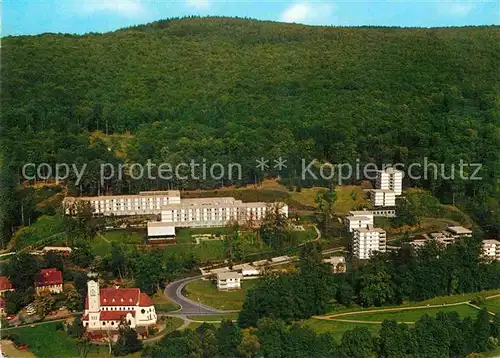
x,y
50,276
144,300
122,297
5,284
119,296
114,315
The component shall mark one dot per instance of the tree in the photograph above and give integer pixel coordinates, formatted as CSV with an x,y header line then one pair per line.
x,y
356,343
275,229
128,341
82,255
22,271
326,210
228,339
482,331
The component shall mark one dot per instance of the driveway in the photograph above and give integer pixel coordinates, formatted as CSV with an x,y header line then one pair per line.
x,y
188,307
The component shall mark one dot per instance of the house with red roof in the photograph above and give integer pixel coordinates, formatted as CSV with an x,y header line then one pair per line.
x,y
5,285
106,307
49,279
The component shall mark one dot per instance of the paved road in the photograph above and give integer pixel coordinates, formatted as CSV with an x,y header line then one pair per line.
x,y
188,307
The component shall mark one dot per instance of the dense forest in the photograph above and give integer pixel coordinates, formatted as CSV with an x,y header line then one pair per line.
x,y
233,90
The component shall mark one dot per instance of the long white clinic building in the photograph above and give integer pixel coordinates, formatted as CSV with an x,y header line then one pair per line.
x,y
144,203
210,212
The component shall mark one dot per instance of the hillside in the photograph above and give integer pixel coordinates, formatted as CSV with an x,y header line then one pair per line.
x,y
233,90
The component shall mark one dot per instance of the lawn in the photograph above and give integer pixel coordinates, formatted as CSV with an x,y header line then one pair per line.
x,y
211,318
172,323
337,328
163,304
45,341
207,293
411,315
493,305
194,325
185,235
125,236
433,301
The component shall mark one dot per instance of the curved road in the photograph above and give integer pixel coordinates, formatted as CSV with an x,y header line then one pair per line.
x,y
188,307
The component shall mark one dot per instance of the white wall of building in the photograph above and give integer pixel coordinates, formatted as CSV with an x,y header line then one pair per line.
x,y
359,221
368,240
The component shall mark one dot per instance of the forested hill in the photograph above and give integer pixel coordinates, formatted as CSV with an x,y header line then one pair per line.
x,y
219,70
235,89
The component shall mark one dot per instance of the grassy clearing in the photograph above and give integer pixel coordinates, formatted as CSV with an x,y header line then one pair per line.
x,y
207,293
210,318
350,197
125,236
493,305
337,328
46,341
100,246
163,304
433,301
411,315
194,325
172,323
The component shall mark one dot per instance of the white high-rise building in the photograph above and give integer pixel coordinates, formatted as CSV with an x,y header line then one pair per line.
x,y
491,249
383,197
358,219
390,179
368,240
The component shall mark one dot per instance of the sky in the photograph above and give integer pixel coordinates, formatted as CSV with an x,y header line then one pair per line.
x,y
31,17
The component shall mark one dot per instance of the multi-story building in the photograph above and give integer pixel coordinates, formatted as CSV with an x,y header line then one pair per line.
x,y
210,212
367,240
491,249
229,281
390,179
383,197
49,280
105,308
144,203
358,219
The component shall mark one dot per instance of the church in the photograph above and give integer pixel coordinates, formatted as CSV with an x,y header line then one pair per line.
x,y
106,307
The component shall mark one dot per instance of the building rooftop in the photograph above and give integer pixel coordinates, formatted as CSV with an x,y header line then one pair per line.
x,y
335,260
459,230
112,296
5,283
229,275
390,170
50,276
370,228
169,193
359,218
491,242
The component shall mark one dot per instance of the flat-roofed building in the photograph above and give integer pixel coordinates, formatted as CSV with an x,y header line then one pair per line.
x,y
358,219
229,281
382,197
491,249
367,240
390,179
160,232
338,264
217,212
144,203
459,231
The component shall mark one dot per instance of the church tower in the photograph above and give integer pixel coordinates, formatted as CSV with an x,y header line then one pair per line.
x,y
94,299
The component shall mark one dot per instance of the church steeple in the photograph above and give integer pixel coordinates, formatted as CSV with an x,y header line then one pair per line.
x,y
94,299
